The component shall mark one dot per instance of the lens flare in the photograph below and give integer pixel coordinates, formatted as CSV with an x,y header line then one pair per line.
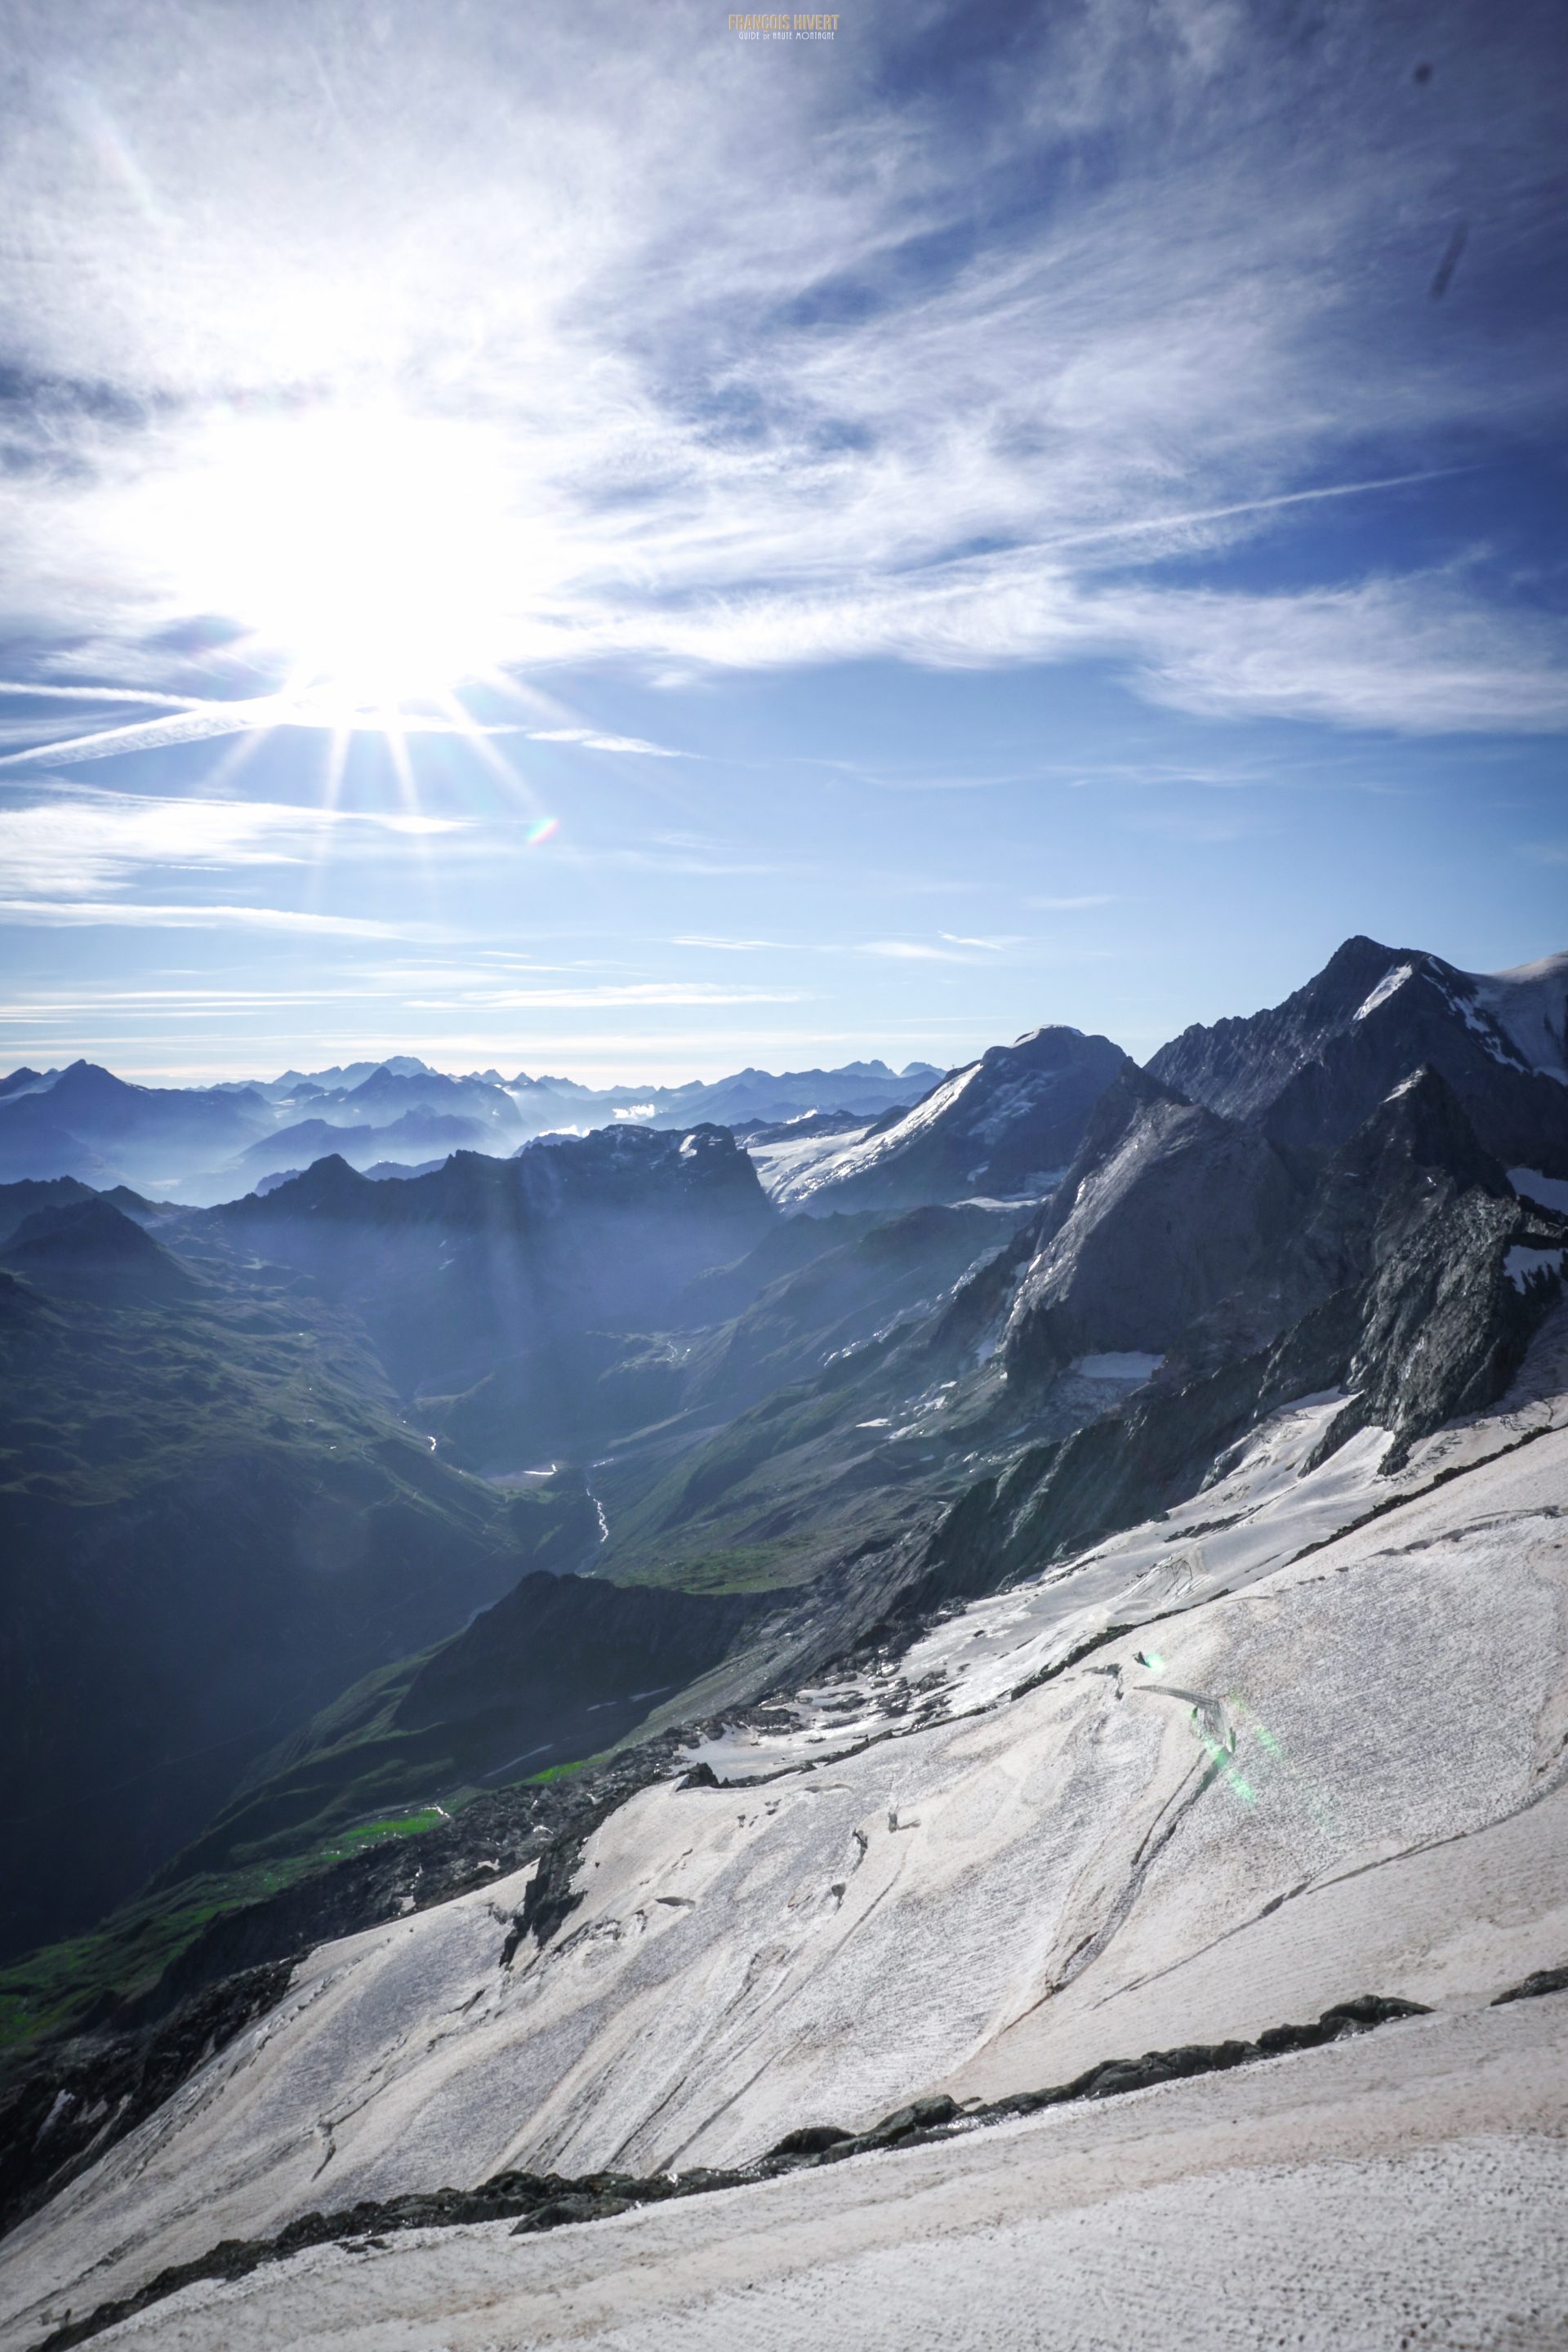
x,y
544,828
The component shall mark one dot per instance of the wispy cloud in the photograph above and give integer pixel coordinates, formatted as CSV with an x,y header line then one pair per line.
x,y
886,435
592,740
141,915
913,952
198,722
1084,898
70,846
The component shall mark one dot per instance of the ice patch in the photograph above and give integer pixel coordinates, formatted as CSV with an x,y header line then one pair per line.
x,y
1521,1264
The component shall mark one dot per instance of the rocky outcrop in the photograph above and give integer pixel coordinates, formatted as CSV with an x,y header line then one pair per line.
x,y
63,2104
1408,1274
1167,1211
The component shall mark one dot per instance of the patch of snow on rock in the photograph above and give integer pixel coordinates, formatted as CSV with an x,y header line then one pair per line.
x,y
1386,988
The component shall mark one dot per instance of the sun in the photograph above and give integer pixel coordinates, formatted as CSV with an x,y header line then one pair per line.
x,y
366,552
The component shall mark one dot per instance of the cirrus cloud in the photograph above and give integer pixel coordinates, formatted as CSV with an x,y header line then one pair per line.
x,y
1130,290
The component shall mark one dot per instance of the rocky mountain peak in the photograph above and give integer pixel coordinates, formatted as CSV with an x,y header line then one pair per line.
x,y
1310,1069
1004,1126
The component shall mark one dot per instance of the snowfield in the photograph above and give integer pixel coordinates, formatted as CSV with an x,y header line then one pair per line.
x,y
1316,1763
1529,1004
1404,2188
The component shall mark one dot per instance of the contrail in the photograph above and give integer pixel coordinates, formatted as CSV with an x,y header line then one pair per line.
x,y
1246,507
193,721
105,694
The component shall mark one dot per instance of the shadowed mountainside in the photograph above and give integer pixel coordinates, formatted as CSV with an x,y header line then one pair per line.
x,y
828,1427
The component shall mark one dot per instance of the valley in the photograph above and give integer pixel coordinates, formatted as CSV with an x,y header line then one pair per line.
x,y
604,1657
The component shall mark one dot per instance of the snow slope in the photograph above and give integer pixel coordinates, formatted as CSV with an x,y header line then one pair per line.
x,y
1530,1004
1298,1776
1401,2188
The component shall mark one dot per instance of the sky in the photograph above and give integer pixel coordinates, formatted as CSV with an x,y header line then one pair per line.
x,y
565,537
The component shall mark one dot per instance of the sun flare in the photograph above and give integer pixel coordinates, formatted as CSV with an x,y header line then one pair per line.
x,y
365,552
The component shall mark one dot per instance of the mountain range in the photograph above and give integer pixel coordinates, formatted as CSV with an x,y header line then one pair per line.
x,y
212,1143
728,1627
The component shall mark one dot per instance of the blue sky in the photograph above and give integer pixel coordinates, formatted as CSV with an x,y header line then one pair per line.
x,y
558,538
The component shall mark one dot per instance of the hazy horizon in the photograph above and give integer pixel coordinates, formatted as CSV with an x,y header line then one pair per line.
x,y
602,1069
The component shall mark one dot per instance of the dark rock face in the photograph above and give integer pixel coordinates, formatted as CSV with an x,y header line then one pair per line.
x,y
1396,1275
64,2101
1417,1147
1444,1327
1311,1070
1533,1988
1007,1125
61,2105
1167,1211
1420,1219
